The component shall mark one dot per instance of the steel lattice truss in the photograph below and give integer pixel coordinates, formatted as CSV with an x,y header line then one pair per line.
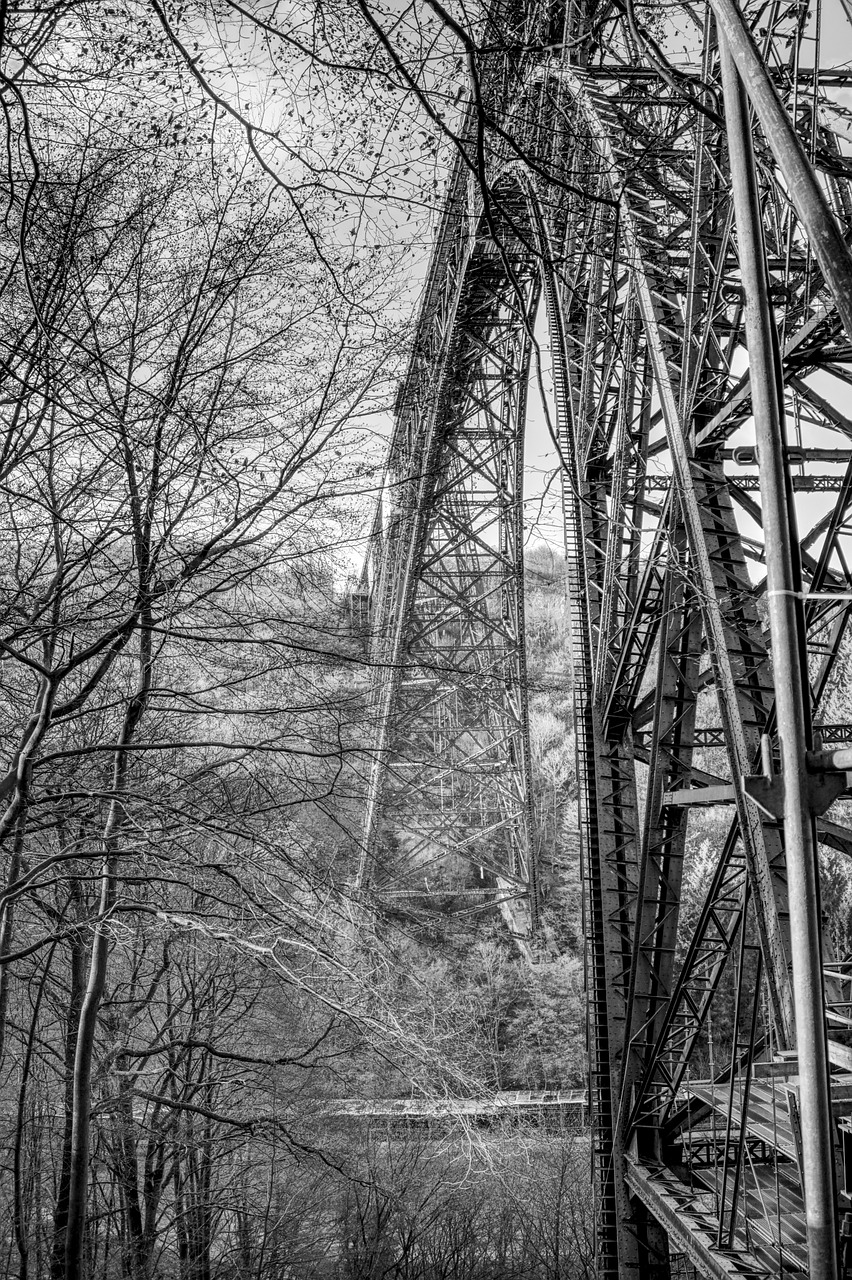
x,y
607,200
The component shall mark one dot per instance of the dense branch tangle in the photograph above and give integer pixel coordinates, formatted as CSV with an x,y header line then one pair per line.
x,y
606,197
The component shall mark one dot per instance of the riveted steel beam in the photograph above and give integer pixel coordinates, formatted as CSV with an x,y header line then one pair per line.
x,y
787,623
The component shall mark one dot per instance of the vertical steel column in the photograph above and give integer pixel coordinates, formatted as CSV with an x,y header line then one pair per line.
x,y
786,622
808,198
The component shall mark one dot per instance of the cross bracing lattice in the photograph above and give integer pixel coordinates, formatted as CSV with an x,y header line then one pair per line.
x,y
608,176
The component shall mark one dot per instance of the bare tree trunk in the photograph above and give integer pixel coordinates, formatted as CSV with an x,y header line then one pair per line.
x,y
181,1225
156,1164
7,911
75,1239
20,1213
135,1259
81,1105
17,785
77,976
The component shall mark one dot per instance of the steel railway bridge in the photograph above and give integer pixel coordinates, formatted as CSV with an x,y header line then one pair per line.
x,y
666,191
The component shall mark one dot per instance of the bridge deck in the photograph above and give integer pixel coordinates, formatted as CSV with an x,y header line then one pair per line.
x,y
770,1237
773,1210
506,1102
770,1217
689,1215
768,1117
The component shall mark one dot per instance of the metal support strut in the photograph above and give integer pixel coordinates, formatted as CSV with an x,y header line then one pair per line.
x,y
787,629
666,259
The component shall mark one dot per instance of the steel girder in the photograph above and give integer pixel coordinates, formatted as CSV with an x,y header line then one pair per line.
x,y
611,205
451,787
